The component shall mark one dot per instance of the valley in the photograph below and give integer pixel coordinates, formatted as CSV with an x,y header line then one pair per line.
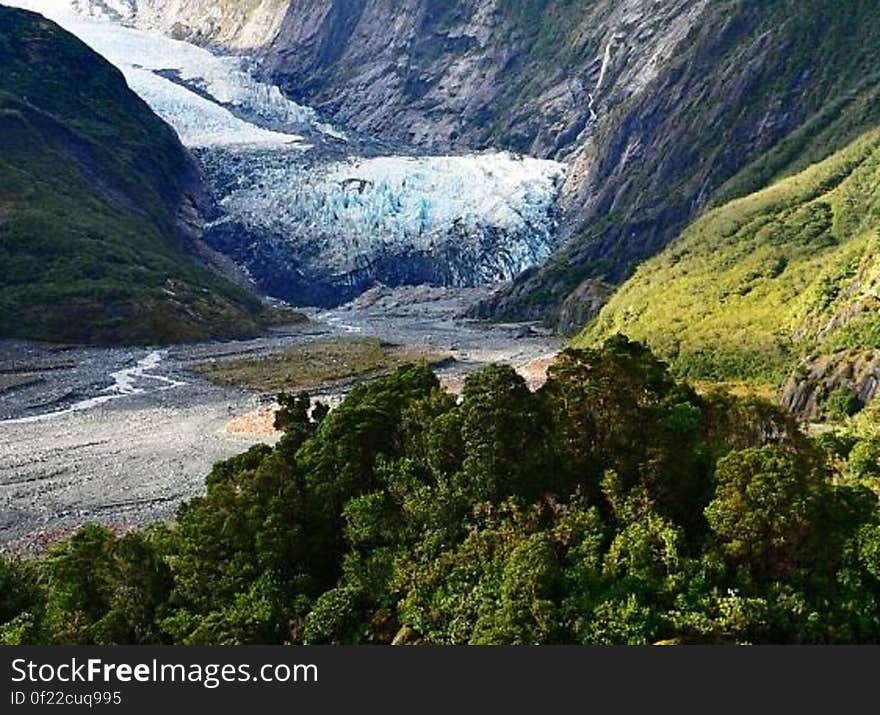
x,y
123,436
313,216
316,215
419,322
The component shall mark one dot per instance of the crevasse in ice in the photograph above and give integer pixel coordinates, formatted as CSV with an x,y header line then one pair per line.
x,y
313,229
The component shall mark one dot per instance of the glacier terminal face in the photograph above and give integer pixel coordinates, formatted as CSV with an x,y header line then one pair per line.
x,y
321,234
310,221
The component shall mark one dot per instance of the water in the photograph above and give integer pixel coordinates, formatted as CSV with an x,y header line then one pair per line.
x,y
126,382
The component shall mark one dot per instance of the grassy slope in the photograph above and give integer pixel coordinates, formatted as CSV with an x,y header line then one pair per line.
x,y
758,91
90,185
763,281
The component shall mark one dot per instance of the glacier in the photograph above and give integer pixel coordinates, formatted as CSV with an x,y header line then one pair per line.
x,y
202,95
458,221
314,216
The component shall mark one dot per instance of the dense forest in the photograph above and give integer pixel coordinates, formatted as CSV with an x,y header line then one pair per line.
x,y
615,505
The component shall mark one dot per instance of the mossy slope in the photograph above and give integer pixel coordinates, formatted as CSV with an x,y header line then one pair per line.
x,y
760,283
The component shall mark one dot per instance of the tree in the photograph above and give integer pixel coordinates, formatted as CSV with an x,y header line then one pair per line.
x,y
863,462
612,506
80,580
340,460
503,436
433,432
297,417
617,408
764,510
22,603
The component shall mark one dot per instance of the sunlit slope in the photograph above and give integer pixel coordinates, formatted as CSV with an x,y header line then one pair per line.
x,y
756,285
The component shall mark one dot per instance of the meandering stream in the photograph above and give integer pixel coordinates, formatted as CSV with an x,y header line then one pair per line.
x,y
123,383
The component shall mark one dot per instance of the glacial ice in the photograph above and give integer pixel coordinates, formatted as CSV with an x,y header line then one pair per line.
x,y
457,220
226,80
360,207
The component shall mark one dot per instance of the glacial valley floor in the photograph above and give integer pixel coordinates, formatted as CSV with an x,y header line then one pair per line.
x,y
122,436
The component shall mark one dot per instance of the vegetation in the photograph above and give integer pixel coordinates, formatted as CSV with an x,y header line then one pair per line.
x,y
763,282
614,505
316,363
754,92
92,190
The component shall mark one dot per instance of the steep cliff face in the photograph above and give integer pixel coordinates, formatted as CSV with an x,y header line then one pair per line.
x,y
528,76
238,24
660,108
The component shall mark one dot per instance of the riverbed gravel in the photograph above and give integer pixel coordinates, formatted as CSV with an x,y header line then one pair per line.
x,y
122,436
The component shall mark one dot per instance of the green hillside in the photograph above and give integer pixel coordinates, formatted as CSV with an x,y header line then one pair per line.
x,y
757,285
93,187
756,92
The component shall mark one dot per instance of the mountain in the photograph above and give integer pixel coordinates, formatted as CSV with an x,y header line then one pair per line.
x,y
317,216
241,25
100,205
781,283
755,91
661,110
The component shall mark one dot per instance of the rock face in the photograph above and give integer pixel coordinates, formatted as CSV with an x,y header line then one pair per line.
x,y
659,108
532,77
842,383
238,24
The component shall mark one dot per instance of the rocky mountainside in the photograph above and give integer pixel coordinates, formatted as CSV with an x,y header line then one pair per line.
x,y
756,91
100,205
241,25
661,109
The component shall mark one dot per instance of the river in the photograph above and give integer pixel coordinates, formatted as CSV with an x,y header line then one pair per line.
x,y
122,436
